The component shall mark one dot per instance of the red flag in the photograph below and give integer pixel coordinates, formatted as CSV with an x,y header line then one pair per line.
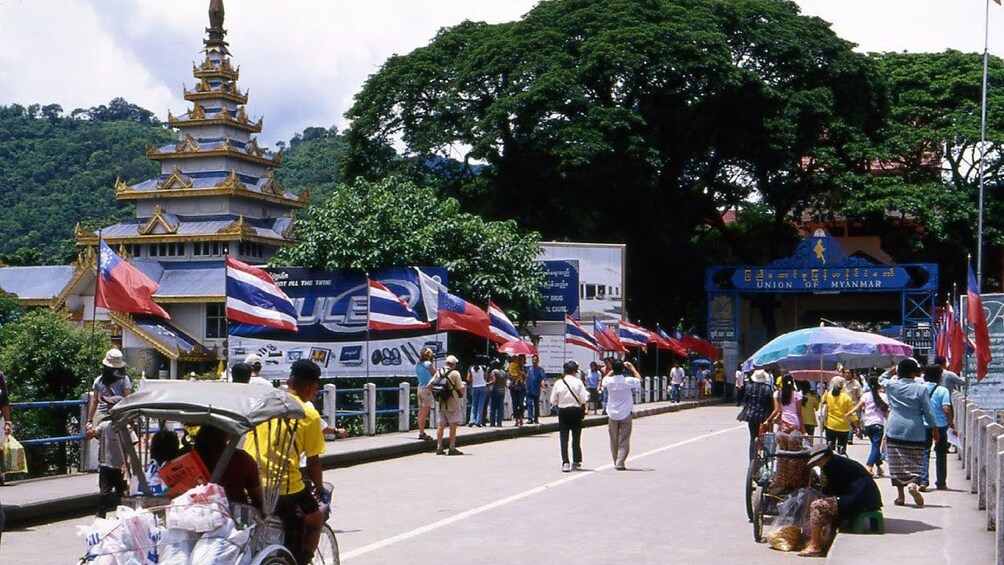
x,y
122,287
956,342
978,320
941,341
606,338
455,313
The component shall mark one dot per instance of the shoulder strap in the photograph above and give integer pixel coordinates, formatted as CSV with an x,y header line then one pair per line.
x,y
575,396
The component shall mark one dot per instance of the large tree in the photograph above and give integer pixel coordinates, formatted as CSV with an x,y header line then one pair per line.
x,y
633,120
367,225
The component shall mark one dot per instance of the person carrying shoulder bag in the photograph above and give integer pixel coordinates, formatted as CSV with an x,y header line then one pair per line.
x,y
569,394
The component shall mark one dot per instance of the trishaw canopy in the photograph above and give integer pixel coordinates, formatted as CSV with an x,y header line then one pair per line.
x,y
233,407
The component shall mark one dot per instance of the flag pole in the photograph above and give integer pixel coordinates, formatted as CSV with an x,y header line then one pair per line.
x,y
97,281
488,308
983,142
368,306
657,348
226,319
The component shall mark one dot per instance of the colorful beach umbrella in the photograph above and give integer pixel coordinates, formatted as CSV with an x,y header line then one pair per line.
x,y
826,347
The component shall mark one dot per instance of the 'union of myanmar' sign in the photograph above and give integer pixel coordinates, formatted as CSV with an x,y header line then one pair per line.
x,y
823,278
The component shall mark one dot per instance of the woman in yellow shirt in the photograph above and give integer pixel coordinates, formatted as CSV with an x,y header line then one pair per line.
x,y
837,404
810,405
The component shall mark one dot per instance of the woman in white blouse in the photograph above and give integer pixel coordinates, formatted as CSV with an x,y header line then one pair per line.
x,y
570,396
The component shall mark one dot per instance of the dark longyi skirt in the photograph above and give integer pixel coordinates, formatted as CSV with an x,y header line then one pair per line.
x,y
906,461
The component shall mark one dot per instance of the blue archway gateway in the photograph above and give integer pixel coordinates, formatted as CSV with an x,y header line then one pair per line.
x,y
819,282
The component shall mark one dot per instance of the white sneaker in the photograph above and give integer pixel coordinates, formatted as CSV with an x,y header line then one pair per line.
x,y
576,466
565,467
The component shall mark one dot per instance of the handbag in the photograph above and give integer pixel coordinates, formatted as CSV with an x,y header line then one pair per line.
x,y
14,457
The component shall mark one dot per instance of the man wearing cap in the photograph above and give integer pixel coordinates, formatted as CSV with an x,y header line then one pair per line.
x,y
274,450
570,396
849,491
254,361
449,409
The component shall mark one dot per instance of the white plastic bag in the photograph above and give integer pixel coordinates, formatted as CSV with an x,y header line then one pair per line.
x,y
200,509
157,486
221,549
174,547
102,538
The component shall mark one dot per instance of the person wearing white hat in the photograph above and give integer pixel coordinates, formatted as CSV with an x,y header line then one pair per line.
x,y
450,413
758,403
108,389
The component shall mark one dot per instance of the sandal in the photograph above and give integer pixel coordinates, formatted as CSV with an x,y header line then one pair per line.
x,y
899,502
807,552
918,498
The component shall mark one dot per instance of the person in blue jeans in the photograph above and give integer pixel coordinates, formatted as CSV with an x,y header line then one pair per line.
x,y
941,406
875,404
476,378
534,377
676,377
497,386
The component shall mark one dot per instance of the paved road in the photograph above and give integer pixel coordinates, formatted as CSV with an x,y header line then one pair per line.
x,y
508,502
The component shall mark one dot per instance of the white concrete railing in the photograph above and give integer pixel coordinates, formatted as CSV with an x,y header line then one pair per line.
x,y
982,455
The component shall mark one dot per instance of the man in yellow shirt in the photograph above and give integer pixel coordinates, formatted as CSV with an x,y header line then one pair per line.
x,y
271,447
839,415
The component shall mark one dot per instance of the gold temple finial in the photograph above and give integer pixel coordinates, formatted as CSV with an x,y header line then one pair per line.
x,y
215,29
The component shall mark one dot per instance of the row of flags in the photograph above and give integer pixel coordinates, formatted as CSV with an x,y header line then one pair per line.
x,y
952,342
629,335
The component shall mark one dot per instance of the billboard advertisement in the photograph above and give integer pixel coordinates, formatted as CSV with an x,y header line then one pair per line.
x,y
331,319
600,276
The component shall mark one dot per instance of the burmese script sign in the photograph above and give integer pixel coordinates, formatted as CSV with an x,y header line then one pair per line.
x,y
876,278
988,394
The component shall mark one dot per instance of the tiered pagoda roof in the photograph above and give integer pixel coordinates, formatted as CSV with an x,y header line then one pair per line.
x,y
216,157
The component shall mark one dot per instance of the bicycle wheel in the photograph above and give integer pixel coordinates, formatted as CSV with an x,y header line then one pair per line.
x,y
759,501
327,548
753,475
274,555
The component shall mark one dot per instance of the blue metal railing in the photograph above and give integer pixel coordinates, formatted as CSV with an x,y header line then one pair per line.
x,y
48,404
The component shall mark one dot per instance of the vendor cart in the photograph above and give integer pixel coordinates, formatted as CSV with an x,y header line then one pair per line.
x,y
238,410
779,466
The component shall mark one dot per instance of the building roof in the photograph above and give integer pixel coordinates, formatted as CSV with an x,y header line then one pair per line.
x,y
213,179
36,283
269,228
167,335
177,279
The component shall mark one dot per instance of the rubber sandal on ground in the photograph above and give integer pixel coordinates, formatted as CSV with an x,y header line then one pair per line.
x,y
918,498
899,502
807,552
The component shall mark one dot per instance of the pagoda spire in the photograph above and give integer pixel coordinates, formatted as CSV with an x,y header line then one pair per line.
x,y
215,29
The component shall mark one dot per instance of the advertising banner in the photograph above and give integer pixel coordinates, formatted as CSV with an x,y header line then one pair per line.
x,y
600,274
331,318
988,394
560,291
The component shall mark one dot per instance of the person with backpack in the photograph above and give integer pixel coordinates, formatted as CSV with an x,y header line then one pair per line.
x,y
570,396
447,388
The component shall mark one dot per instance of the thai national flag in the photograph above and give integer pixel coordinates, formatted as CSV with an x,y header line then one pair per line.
x,y
502,328
122,287
669,343
455,313
606,337
253,298
978,320
576,335
387,311
633,336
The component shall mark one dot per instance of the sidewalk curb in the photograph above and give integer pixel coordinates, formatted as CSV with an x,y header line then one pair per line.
x,y
23,515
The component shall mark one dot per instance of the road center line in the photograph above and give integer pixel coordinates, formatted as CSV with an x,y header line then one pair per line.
x,y
510,499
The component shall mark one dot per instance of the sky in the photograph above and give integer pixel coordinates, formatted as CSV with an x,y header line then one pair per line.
x,y
303,60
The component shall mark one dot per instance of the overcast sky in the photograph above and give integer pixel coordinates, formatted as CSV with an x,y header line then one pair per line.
x,y
303,60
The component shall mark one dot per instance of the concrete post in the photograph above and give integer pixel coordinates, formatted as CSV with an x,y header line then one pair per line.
x,y
999,501
988,494
646,389
369,405
330,405
970,420
664,393
404,405
979,463
88,447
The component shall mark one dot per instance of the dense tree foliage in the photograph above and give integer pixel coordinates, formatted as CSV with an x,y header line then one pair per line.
x,y
366,225
634,121
56,171
313,162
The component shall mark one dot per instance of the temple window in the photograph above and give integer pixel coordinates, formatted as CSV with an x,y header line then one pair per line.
x,y
216,320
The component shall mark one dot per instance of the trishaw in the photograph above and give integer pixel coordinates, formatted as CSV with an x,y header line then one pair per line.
x,y
765,489
238,410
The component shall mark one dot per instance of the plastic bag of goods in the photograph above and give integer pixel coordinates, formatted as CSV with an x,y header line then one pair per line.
x,y
201,509
225,545
102,538
792,522
792,470
173,547
136,527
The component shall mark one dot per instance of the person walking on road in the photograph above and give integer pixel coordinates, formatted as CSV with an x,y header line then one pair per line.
x,y
810,404
569,395
620,403
423,371
876,409
949,379
593,385
476,376
909,407
5,427
450,413
740,385
758,403
497,387
534,378
108,389
676,376
839,416
787,407
941,405
517,388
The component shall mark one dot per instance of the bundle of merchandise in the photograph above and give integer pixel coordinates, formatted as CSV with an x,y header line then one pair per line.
x,y
196,528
